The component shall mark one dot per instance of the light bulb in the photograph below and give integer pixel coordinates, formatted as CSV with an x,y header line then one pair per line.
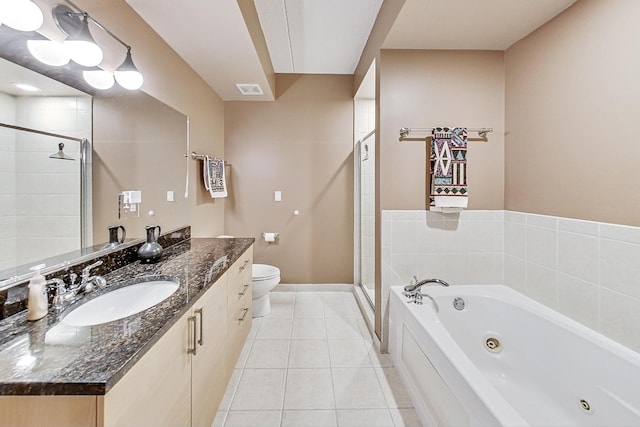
x,y
21,15
82,47
127,75
49,52
99,78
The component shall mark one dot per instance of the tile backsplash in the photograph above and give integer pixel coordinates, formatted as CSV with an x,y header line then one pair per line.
x,y
586,270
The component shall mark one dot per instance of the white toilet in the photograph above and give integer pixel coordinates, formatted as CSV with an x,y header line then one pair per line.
x,y
264,279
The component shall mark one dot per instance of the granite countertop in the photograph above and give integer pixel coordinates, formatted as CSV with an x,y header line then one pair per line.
x,y
47,357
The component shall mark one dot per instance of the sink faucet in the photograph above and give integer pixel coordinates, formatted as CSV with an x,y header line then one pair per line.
x,y
68,294
412,289
88,282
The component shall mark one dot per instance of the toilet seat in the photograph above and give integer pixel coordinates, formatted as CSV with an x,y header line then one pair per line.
x,y
262,272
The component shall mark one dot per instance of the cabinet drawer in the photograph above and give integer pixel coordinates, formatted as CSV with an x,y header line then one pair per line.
x,y
240,271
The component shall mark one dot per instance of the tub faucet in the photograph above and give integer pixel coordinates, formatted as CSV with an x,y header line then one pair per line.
x,y
412,289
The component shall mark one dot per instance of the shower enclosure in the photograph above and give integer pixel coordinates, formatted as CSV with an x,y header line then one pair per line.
x,y
365,160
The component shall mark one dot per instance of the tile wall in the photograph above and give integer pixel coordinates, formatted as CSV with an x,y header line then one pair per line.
x,y
46,192
586,270
7,183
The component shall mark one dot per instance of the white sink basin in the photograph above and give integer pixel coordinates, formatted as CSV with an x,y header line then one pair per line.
x,y
120,303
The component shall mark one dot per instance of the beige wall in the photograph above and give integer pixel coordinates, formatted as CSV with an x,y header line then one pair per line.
x,y
169,79
572,103
138,144
423,89
302,145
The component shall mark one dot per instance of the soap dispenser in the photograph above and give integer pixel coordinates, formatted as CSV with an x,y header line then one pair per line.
x,y
37,303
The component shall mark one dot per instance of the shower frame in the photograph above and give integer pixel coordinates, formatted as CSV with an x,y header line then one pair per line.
x,y
86,150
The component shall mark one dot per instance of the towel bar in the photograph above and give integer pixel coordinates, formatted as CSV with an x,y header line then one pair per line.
x,y
482,132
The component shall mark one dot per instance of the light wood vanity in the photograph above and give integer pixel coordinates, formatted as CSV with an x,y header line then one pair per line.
x,y
179,381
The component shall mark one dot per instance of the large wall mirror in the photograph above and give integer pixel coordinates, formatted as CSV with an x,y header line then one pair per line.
x,y
48,209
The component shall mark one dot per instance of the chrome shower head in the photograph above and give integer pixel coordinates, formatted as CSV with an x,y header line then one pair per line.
x,y
60,154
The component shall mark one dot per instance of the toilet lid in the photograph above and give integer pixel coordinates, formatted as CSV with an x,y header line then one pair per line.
x,y
264,271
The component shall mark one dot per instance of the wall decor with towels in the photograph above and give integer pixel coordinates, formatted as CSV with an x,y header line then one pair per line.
x,y
213,174
446,180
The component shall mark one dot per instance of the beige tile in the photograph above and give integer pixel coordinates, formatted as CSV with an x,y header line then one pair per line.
x,y
225,404
268,354
255,325
349,354
220,418
244,354
364,418
259,389
405,418
274,329
394,392
282,305
309,354
253,419
357,388
342,329
308,329
308,305
317,418
309,389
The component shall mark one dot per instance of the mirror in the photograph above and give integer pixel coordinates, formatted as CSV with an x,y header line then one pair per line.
x,y
139,144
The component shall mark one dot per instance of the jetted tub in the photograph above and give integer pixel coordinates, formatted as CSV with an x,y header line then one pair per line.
x,y
506,360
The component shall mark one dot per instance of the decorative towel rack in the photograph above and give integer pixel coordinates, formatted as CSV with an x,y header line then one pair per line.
x,y
482,132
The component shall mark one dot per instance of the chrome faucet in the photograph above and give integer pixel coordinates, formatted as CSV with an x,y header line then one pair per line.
x,y
69,294
88,282
413,289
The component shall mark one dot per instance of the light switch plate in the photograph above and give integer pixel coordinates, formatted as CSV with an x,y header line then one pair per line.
x,y
277,196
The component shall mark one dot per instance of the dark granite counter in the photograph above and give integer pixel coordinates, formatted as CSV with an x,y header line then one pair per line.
x,y
48,357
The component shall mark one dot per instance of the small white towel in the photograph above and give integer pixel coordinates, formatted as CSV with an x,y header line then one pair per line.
x,y
214,177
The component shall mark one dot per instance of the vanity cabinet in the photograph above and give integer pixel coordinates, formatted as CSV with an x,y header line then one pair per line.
x,y
182,379
179,382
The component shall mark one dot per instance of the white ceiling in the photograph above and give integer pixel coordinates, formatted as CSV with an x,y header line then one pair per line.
x,y
469,24
316,37
328,36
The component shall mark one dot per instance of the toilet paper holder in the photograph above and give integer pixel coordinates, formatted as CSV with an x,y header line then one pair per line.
x,y
270,237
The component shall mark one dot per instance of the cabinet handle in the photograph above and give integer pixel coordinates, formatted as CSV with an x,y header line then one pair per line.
x,y
246,310
201,313
243,266
195,346
244,289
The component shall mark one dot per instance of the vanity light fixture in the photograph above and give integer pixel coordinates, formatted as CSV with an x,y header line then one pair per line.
x,y
21,15
127,75
49,52
82,47
98,78
85,51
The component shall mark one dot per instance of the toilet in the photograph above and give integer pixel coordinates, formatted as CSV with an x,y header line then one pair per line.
x,y
264,279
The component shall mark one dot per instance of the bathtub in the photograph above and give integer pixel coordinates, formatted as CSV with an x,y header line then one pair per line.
x,y
506,360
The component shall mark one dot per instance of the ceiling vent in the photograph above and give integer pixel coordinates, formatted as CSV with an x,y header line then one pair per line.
x,y
249,89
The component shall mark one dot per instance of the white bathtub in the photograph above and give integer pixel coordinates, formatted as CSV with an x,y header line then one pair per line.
x,y
548,371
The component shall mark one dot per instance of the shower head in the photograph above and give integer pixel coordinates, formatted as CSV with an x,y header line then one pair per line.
x,y
60,154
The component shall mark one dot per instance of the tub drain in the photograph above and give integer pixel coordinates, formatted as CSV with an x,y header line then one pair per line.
x,y
585,405
493,345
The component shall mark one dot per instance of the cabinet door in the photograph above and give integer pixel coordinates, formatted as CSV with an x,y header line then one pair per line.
x,y
209,378
157,390
48,411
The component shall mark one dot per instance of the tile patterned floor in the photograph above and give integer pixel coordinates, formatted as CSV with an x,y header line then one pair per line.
x,y
311,362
